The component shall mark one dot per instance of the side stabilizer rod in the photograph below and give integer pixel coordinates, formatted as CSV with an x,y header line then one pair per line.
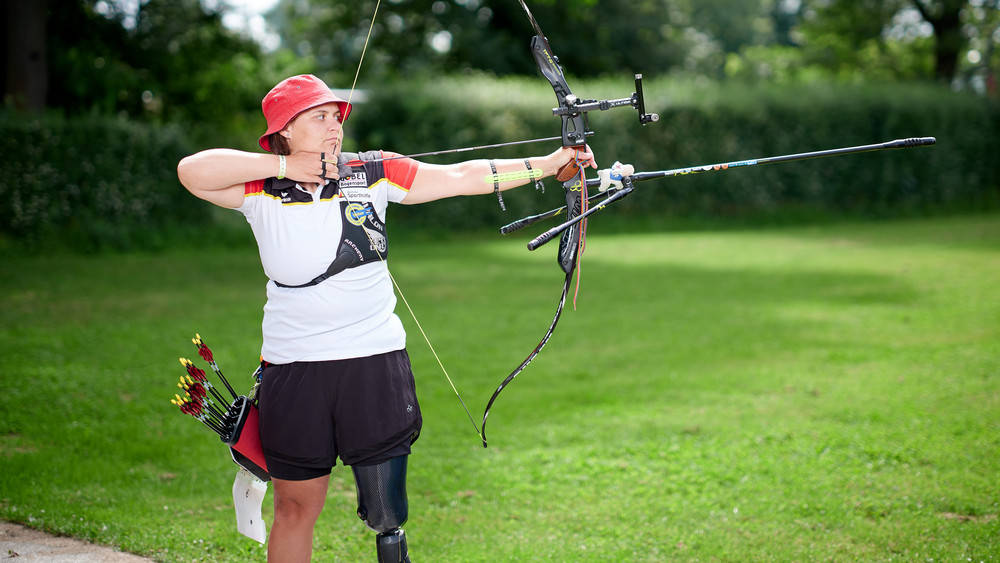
x,y
888,145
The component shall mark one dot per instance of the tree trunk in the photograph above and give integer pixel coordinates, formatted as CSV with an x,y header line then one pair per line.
x,y
945,18
25,67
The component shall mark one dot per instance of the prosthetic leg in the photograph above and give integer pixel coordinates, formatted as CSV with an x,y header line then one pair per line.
x,y
383,507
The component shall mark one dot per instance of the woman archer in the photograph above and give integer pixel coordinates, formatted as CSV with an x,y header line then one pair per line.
x,y
337,380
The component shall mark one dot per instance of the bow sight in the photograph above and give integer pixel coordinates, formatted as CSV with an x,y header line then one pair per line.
x,y
574,112
576,106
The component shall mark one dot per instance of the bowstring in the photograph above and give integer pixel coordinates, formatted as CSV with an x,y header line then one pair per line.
x,y
364,49
382,259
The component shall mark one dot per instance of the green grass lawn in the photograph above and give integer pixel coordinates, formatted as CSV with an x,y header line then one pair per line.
x,y
796,394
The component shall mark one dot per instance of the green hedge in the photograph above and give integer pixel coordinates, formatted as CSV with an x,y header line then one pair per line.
x,y
705,124
93,184
97,183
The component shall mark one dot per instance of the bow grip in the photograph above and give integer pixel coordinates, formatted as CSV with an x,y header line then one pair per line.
x,y
571,168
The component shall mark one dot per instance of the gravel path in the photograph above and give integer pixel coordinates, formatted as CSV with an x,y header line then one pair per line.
x,y
18,543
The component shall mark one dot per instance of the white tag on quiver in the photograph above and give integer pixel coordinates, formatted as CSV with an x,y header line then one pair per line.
x,y
248,497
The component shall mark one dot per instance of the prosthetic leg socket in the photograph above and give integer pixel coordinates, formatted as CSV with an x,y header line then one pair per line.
x,y
382,506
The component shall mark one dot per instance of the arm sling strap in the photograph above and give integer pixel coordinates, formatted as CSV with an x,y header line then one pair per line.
x,y
363,235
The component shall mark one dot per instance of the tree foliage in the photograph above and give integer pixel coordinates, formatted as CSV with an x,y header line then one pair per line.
x,y
174,60
890,39
948,41
421,36
591,37
170,61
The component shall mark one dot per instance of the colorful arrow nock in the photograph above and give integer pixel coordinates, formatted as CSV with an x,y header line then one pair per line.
x,y
203,350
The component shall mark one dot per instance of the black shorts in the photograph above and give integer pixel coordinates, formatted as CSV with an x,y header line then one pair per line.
x,y
363,410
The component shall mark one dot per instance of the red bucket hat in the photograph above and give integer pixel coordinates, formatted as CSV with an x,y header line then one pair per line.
x,y
293,96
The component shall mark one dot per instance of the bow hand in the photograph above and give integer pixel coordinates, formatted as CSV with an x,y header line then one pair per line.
x,y
567,157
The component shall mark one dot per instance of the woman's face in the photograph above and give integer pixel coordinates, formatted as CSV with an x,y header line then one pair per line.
x,y
317,129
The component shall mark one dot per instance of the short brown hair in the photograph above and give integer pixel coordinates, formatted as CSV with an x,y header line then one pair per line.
x,y
278,144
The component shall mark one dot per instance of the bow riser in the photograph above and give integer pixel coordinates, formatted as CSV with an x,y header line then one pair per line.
x,y
569,244
573,113
574,123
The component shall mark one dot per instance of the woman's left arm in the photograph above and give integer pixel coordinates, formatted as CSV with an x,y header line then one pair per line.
x,y
476,177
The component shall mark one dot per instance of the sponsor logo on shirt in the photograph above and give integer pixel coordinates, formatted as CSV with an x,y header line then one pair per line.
x,y
378,242
355,180
356,213
356,195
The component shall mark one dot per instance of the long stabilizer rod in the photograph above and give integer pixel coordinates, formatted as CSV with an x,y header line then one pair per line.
x,y
641,176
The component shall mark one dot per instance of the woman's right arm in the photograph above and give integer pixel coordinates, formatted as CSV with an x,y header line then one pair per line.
x,y
218,175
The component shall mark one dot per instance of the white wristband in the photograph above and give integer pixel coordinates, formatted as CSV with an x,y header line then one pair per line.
x,y
281,167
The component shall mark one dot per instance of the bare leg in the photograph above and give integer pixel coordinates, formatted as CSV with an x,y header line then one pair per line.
x,y
297,505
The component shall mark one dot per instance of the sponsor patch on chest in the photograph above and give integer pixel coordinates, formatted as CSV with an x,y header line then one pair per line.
x,y
356,180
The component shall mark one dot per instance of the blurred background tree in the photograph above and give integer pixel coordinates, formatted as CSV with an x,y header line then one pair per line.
x,y
941,40
175,76
158,61
949,41
175,60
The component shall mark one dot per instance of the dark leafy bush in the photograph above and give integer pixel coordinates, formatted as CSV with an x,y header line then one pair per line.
x,y
103,183
93,183
707,124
